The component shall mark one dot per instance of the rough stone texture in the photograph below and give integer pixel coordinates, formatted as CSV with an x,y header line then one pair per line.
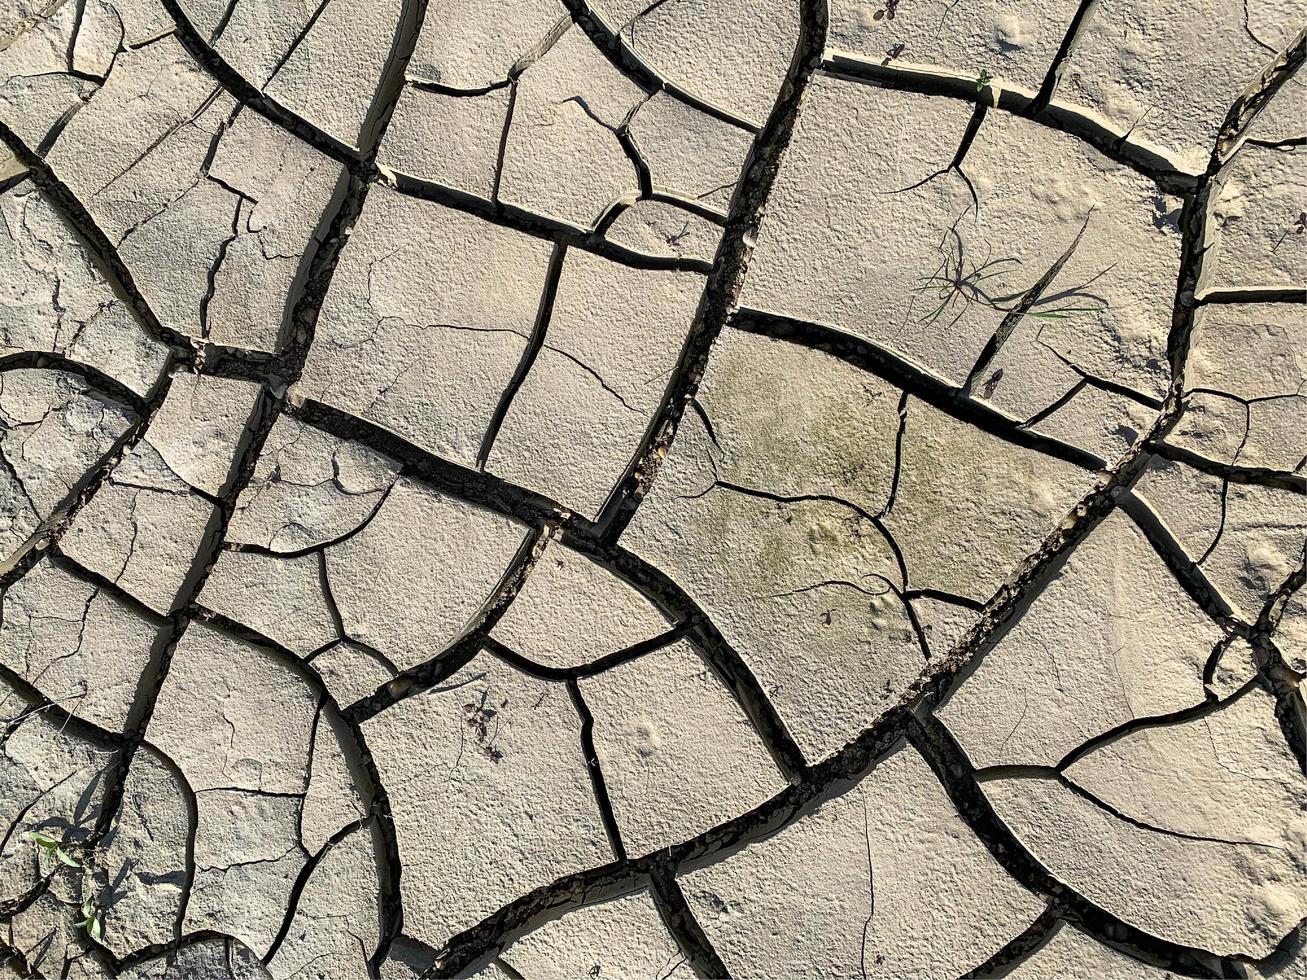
x,y
1246,540
321,61
1257,215
141,876
759,531
200,427
145,527
734,57
961,537
471,45
51,784
666,231
309,489
562,156
651,488
451,139
1070,953
211,206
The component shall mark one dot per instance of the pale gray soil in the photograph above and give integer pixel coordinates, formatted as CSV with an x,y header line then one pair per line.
x,y
613,489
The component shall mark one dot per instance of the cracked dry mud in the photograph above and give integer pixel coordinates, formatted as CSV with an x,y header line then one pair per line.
x,y
610,488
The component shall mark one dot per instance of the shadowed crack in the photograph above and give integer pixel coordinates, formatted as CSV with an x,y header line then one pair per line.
x,y
615,48
529,353
537,511
305,308
729,268
607,662
361,166
683,927
1231,472
1053,77
912,380
478,944
458,655
809,785
1029,299
595,773
946,759
1019,949
1068,119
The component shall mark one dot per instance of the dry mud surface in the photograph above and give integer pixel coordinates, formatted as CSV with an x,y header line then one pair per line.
x,y
753,488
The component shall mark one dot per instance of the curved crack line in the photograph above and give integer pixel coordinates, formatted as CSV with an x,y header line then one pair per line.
x,y
684,928
373,791
537,511
422,677
635,651
1019,949
949,763
729,269
360,165
1187,573
1177,348
302,879
613,47
912,380
95,378
1230,472
1083,125
479,943
304,309
97,243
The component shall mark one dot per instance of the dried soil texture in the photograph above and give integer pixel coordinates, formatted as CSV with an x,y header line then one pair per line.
x,y
649,488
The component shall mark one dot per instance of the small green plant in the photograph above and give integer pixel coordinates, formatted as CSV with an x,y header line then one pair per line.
x,y
959,283
91,921
51,849
983,79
